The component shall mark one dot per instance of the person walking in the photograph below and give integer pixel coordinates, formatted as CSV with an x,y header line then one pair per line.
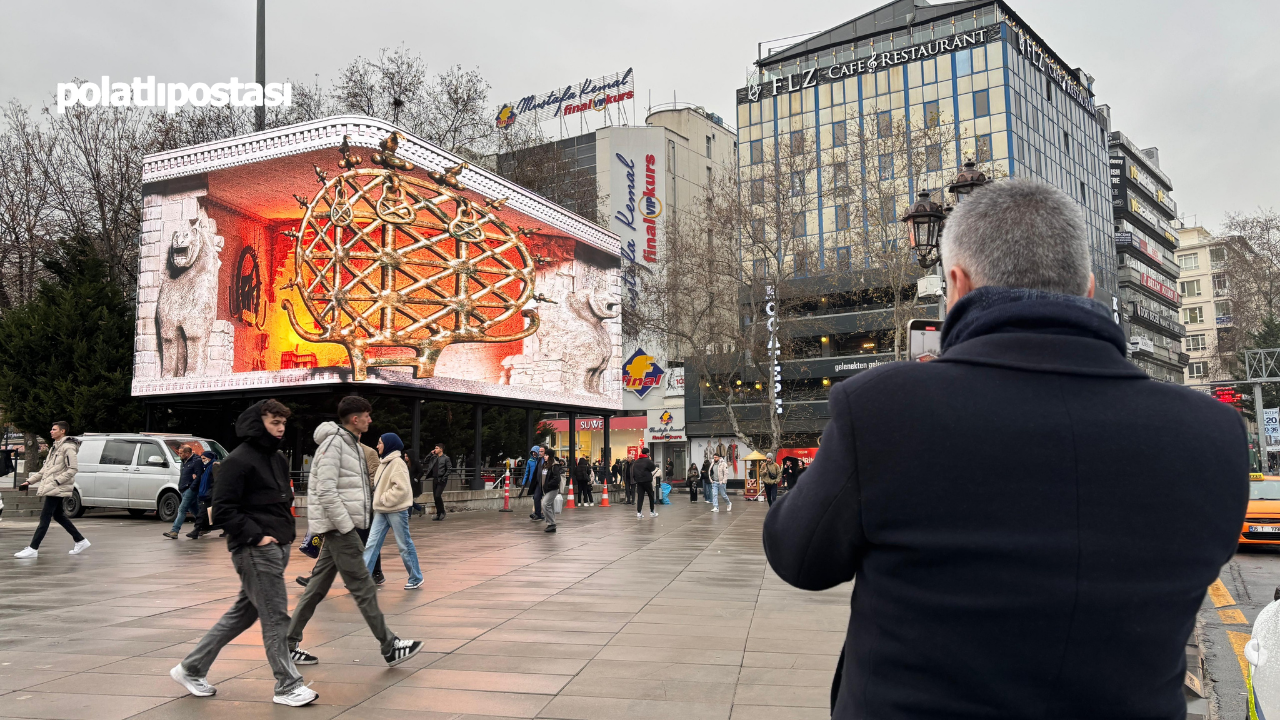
x,y
253,502
551,475
582,479
705,476
770,473
615,472
438,467
691,479
392,498
55,481
339,502
642,478
980,594
719,477
189,485
204,496
533,472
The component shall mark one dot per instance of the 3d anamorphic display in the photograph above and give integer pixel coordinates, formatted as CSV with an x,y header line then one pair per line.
x,y
382,272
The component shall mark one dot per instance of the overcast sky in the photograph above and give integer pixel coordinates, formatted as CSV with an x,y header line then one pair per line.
x,y
1197,79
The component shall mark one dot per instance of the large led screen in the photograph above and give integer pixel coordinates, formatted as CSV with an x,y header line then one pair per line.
x,y
366,256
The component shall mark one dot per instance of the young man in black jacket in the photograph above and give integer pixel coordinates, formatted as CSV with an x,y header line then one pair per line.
x,y
549,477
252,501
1019,550
642,477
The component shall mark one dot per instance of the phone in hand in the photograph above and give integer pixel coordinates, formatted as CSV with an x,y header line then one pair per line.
x,y
924,340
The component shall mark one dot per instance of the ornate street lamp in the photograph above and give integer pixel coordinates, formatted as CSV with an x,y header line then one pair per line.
x,y
924,229
968,180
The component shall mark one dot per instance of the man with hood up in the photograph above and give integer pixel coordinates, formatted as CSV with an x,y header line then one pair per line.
x,y
339,505
533,479
252,501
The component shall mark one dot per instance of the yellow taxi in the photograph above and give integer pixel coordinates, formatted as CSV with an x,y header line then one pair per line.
x,y
1262,519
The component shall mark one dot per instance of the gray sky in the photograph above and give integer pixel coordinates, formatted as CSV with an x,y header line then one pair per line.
x,y
1197,79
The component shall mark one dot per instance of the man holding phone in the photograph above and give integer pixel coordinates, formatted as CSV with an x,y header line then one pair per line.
x,y
252,501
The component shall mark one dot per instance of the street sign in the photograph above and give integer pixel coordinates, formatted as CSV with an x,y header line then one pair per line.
x,y
1271,427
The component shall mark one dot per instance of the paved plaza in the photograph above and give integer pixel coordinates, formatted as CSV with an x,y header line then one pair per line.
x,y
674,617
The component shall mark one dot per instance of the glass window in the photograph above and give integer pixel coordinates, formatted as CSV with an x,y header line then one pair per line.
x,y
964,63
798,224
1194,343
150,454
1193,315
757,229
759,267
757,191
1190,261
981,104
984,148
797,142
797,184
1190,288
757,151
932,117
844,255
886,166
842,221
1196,370
933,158
1217,258
838,134
708,146
1219,284
839,177
1222,309
118,452
884,123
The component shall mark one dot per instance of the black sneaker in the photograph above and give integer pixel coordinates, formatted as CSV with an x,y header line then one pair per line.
x,y
550,528
302,657
302,580
379,578
194,535
401,651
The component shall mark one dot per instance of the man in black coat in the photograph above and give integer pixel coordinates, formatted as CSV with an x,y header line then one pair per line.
x,y
189,486
252,501
1030,532
437,468
642,478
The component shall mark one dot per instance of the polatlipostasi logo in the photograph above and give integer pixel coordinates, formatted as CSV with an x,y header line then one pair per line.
x,y
171,96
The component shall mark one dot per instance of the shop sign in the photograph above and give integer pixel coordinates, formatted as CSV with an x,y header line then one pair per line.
x,y
665,425
1154,317
1271,427
675,382
641,373
590,94
774,347
1065,79
1146,246
878,61
1154,284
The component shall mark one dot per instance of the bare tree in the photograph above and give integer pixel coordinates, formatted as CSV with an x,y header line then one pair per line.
x,y
1251,268
26,215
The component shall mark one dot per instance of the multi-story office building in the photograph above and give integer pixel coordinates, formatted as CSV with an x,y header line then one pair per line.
x,y
1206,307
972,72
1146,268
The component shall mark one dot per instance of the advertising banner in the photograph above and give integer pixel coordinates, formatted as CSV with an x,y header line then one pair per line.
x,y
1271,427
732,449
587,98
264,269
665,425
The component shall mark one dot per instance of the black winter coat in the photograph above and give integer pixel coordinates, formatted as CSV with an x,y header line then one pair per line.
x,y
1031,532
555,474
642,470
582,470
252,497
437,468
190,473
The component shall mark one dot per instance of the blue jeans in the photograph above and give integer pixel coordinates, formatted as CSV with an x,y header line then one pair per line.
x,y
398,523
188,503
717,490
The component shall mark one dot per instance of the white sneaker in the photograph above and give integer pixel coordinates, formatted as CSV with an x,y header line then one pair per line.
x,y
653,514
639,515
79,548
197,686
26,553
297,697
715,509
728,507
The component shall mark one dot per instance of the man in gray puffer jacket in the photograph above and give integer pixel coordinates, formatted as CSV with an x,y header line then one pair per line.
x,y
55,481
339,504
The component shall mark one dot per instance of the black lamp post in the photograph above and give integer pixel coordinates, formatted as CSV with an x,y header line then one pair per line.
x,y
968,180
924,229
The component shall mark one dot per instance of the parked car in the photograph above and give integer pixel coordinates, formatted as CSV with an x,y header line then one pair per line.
x,y
136,471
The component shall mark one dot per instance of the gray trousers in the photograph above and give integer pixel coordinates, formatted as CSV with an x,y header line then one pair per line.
x,y
549,506
262,597
341,554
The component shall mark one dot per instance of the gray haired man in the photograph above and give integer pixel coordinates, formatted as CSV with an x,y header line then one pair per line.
x,y
1030,532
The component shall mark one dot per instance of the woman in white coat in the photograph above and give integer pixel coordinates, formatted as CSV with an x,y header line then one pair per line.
x,y
392,498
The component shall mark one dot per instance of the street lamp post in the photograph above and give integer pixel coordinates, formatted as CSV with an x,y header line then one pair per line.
x,y
926,219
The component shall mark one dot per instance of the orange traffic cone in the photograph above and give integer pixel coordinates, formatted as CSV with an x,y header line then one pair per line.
x,y
569,504
506,494
604,493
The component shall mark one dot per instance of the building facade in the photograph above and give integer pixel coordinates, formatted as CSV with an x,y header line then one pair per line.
x,y
1146,265
1206,307
972,73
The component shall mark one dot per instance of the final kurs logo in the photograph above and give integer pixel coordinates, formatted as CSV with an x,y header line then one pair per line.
x,y
506,117
641,373
665,418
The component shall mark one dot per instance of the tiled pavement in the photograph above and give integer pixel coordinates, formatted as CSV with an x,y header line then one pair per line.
x,y
612,617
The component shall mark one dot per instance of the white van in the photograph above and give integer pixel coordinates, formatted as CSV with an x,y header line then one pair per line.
x,y
137,471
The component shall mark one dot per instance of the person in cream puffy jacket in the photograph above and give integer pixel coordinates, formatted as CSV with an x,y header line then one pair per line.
x,y
392,498
338,493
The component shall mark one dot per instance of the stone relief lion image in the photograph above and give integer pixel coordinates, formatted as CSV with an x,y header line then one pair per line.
x,y
187,306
